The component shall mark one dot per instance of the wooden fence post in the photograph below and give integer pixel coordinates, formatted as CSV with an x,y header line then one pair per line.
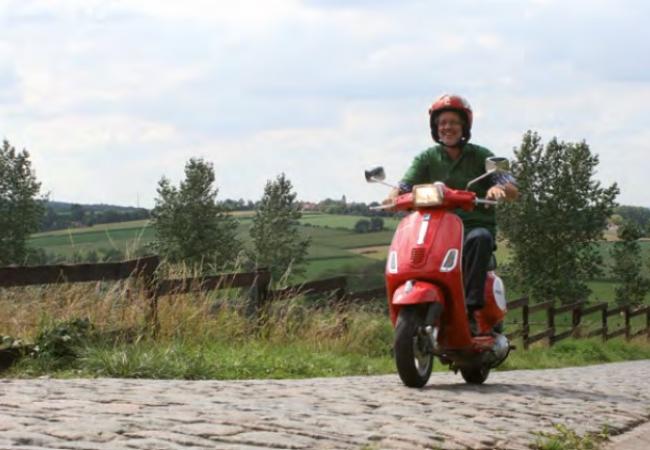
x,y
576,317
647,323
628,335
339,294
150,280
259,292
525,326
604,323
264,285
550,322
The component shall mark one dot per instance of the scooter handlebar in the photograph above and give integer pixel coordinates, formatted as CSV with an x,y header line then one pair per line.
x,y
482,201
453,199
402,202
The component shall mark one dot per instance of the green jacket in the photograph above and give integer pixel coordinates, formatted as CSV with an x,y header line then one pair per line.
x,y
434,164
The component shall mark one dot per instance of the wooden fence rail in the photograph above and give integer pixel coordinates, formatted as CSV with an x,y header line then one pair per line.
x,y
578,311
74,273
258,285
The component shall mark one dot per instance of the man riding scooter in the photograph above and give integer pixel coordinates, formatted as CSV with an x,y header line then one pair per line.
x,y
454,161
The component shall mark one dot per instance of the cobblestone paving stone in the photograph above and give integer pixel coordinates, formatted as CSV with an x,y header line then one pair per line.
x,y
327,413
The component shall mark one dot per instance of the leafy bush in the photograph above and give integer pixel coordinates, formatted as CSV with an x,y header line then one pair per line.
x,y
63,340
362,226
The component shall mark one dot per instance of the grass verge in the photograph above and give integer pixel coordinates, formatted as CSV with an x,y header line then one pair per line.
x,y
181,360
564,438
101,329
577,352
294,341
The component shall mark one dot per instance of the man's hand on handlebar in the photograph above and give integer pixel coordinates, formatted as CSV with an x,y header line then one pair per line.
x,y
496,192
506,192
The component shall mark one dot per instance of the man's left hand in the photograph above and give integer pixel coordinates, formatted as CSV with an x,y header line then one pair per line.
x,y
497,192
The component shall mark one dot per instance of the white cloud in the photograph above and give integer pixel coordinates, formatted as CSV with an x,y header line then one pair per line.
x,y
106,91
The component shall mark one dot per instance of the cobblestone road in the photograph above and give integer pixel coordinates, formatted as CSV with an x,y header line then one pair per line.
x,y
340,413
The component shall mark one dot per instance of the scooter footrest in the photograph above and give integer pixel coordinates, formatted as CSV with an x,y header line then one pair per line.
x,y
483,342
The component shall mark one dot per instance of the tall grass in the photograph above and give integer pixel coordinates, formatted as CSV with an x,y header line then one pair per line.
x,y
212,335
27,311
202,335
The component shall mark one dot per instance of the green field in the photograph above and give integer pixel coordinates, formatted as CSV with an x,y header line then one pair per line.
x,y
343,221
331,251
124,236
335,248
106,226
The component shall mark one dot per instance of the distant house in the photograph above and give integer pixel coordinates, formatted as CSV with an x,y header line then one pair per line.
x,y
309,206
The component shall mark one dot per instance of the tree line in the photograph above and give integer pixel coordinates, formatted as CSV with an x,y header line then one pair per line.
x,y
60,216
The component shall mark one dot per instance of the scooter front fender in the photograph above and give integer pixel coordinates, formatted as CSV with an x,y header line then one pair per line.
x,y
417,292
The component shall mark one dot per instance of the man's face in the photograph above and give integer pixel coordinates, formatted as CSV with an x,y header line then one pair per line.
x,y
450,128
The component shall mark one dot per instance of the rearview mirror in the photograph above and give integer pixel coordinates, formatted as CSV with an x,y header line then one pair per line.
x,y
492,164
497,164
375,175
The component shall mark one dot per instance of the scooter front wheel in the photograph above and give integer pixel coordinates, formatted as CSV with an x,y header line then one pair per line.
x,y
413,359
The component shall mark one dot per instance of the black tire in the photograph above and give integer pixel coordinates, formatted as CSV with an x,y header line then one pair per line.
x,y
475,375
414,364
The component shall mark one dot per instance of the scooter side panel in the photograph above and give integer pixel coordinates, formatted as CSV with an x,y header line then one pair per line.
x,y
456,333
495,308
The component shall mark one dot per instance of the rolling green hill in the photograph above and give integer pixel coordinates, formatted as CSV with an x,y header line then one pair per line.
x,y
335,248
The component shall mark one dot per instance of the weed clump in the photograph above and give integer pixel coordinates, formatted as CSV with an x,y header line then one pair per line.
x,y
60,343
564,438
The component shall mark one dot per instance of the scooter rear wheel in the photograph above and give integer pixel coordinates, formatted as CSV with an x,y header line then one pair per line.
x,y
414,362
475,375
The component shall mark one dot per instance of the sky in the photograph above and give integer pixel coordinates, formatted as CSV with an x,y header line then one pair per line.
x,y
108,96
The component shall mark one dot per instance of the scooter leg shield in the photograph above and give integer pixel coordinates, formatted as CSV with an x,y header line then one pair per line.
x,y
417,292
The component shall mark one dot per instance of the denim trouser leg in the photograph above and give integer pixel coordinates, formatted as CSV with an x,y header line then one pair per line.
x,y
477,250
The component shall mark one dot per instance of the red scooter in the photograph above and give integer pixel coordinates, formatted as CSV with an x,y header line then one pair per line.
x,y
424,283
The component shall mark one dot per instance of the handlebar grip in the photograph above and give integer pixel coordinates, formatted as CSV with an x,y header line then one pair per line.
x,y
481,201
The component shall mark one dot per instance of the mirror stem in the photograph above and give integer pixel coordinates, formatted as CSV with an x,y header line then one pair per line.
x,y
478,179
383,182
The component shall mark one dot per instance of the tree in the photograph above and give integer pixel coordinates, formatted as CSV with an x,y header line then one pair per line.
x,y
376,224
362,226
554,227
21,207
277,243
190,226
628,265
330,206
636,214
368,226
77,213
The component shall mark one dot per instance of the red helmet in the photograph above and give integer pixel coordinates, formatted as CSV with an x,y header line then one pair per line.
x,y
455,103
